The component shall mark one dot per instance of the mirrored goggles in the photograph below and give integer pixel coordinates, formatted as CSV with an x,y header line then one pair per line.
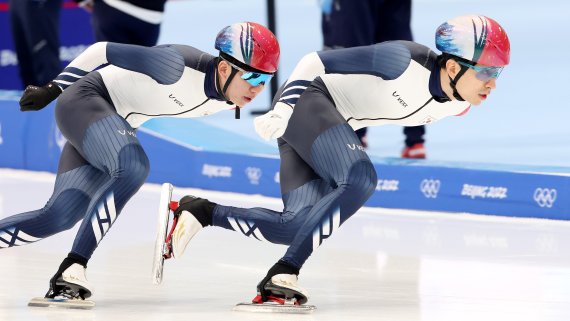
x,y
253,78
484,73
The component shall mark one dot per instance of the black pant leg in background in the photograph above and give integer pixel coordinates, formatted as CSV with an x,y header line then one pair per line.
x,y
35,30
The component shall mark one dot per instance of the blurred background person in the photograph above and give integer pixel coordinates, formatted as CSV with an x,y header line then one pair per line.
x,y
134,22
351,23
35,31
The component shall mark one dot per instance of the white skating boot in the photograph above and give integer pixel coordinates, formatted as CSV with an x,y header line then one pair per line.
x,y
72,284
190,217
191,214
279,292
186,227
69,290
285,286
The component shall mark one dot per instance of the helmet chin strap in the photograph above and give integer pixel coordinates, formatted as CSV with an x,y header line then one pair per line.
x,y
228,81
226,85
453,82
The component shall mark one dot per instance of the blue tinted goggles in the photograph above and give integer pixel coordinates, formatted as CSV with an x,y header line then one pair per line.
x,y
484,73
255,78
252,77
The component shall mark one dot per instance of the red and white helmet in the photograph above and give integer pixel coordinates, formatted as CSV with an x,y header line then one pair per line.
x,y
251,44
476,38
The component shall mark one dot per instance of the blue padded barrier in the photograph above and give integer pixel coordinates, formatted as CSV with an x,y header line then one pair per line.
x,y
32,141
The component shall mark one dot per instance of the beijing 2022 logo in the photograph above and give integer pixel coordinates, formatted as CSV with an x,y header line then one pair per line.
x,y
545,197
430,187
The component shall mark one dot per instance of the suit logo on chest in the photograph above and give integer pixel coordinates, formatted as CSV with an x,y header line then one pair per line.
x,y
178,102
399,98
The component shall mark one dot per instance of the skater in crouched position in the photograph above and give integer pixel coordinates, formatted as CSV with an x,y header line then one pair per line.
x,y
325,174
106,93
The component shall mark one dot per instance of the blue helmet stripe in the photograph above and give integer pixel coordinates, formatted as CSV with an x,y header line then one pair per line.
x,y
479,43
246,44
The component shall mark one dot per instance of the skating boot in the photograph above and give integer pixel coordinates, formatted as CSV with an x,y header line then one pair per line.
x,y
190,215
68,288
279,293
283,289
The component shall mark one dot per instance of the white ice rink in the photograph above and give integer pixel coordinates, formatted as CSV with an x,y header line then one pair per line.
x,y
381,265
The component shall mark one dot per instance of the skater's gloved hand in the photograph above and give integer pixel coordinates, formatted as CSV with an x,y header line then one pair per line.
x,y
36,98
273,124
280,267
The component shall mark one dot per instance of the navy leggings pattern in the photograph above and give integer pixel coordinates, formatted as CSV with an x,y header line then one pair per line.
x,y
101,167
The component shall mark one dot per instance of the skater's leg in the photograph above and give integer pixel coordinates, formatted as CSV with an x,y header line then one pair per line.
x,y
108,146
324,140
105,140
355,179
87,119
125,164
336,158
76,182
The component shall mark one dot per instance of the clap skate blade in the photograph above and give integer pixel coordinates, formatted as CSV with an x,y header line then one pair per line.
x,y
162,249
62,303
275,305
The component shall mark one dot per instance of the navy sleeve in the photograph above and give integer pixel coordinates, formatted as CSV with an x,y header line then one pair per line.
x,y
194,58
387,60
163,64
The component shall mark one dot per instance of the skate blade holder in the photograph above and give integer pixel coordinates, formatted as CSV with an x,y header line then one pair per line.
x,y
274,305
167,246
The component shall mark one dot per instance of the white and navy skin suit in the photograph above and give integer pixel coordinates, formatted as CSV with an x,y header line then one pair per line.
x,y
325,174
103,164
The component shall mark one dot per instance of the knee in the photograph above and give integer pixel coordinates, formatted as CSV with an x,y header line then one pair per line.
x,y
362,179
136,173
134,167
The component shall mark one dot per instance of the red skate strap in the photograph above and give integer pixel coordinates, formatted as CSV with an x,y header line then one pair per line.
x,y
174,221
274,299
167,241
173,205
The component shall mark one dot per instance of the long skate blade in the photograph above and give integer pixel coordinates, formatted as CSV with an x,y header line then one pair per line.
x,y
274,308
162,230
62,303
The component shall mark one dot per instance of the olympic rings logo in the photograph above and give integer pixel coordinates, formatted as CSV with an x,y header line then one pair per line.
x,y
253,174
545,197
430,187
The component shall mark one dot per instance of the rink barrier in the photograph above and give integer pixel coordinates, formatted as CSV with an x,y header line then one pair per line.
x,y
31,141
